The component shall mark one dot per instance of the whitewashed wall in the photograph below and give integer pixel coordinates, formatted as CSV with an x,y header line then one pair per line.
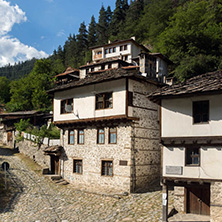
x,y
84,101
177,120
210,159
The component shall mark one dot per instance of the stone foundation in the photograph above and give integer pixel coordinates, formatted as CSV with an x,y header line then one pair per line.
x,y
216,201
179,199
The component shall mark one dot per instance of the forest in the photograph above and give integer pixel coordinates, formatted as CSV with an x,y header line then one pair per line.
x,y
188,32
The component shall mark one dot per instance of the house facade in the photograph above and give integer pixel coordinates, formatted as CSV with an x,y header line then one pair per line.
x,y
109,129
191,137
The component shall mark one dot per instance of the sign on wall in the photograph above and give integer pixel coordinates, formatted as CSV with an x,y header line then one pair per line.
x,y
176,170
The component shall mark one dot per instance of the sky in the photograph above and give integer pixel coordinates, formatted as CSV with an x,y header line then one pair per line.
x,y
34,28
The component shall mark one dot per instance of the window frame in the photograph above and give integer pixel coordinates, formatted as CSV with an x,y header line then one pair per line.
x,y
125,47
78,136
195,113
100,134
66,103
104,172
71,130
75,168
194,156
104,100
110,133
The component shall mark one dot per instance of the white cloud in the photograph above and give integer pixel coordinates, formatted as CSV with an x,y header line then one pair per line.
x,y
61,33
11,49
50,1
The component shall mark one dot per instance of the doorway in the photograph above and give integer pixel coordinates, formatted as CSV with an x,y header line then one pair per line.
x,y
54,165
198,199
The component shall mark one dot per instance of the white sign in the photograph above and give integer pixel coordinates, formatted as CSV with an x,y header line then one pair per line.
x,y
176,170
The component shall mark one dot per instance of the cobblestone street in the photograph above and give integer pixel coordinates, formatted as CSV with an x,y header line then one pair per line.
x,y
38,199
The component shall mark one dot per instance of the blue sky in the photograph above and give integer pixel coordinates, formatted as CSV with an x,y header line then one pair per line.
x,y
34,28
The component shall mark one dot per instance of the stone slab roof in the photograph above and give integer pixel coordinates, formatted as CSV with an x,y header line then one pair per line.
x,y
108,75
208,83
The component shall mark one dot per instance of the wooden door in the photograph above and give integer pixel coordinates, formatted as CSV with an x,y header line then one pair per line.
x,y
55,164
9,137
198,200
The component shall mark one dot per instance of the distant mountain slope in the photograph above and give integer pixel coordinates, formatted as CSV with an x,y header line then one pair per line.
x,y
16,71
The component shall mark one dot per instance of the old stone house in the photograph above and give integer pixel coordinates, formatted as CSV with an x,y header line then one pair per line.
x,y
109,129
191,137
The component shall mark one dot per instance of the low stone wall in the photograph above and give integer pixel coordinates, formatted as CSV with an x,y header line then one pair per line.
x,y
32,150
179,199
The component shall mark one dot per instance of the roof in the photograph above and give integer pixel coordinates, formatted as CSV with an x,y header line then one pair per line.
x,y
53,150
163,57
69,70
120,42
108,75
106,60
20,113
208,83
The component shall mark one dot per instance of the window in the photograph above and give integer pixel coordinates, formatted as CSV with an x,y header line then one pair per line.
x,y
109,66
77,166
66,106
100,136
193,156
110,50
80,136
107,168
114,49
125,47
106,51
92,69
71,137
121,48
125,57
102,67
200,112
112,135
104,100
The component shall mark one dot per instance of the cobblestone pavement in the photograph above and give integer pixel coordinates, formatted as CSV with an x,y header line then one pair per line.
x,y
37,199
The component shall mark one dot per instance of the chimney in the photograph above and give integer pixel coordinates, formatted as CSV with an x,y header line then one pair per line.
x,y
133,38
109,41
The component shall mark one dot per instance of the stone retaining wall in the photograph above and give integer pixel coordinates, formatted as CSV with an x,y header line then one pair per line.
x,y
32,150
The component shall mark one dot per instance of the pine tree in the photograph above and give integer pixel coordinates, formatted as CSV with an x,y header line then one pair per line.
x,y
102,27
92,36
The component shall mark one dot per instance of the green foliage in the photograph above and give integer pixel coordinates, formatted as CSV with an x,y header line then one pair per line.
x,y
5,92
29,92
22,125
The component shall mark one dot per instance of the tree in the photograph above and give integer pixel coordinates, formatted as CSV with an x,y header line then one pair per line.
x,y
193,38
5,90
92,36
102,27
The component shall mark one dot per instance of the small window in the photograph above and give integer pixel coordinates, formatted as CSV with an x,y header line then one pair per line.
x,y
99,52
107,168
80,136
104,101
121,48
114,49
77,166
125,58
193,156
92,69
66,106
106,51
125,47
109,66
110,50
200,112
71,137
112,135
102,67
100,136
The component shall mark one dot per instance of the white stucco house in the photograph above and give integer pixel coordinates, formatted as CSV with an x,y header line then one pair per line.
x,y
109,129
191,137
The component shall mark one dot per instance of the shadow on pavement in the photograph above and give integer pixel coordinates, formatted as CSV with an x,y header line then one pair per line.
x,y
10,196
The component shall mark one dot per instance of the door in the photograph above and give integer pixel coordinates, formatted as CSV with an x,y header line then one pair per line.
x,y
55,164
198,199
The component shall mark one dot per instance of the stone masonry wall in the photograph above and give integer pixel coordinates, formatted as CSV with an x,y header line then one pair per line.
x,y
31,150
92,154
147,153
179,199
216,201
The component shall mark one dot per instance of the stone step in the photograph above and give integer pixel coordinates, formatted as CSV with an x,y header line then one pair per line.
x,y
55,177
